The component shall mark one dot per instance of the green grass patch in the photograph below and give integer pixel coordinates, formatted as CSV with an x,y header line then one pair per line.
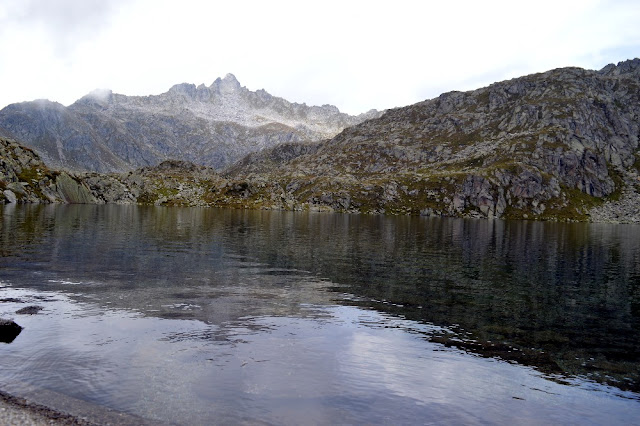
x,y
576,207
147,198
29,175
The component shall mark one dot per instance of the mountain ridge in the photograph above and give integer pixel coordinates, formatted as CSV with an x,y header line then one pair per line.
x,y
213,126
557,145
542,146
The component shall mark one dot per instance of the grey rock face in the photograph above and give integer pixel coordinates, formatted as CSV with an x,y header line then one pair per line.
x,y
213,126
10,196
73,190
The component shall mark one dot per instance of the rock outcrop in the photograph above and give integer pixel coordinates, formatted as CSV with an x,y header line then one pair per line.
x,y
213,126
24,178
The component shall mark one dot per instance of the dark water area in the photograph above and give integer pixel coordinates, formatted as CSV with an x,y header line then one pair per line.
x,y
210,316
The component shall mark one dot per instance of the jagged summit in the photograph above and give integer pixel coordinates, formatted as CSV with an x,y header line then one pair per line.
x,y
624,67
229,84
188,89
231,79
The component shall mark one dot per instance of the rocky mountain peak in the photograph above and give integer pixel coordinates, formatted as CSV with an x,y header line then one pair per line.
x,y
185,89
631,66
227,85
231,79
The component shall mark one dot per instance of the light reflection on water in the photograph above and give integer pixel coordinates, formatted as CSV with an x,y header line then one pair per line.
x,y
334,364
203,316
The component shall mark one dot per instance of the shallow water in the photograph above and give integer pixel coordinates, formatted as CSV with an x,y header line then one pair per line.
x,y
200,316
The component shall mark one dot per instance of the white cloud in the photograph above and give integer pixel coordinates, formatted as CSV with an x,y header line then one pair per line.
x,y
356,55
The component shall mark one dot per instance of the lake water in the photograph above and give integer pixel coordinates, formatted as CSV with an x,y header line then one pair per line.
x,y
209,316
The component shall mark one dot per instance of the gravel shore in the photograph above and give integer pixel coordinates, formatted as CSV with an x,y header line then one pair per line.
x,y
19,411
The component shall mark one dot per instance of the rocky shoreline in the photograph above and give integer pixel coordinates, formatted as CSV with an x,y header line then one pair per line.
x,y
19,411
25,179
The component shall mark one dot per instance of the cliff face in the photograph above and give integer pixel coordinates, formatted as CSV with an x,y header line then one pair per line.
x,y
213,126
551,145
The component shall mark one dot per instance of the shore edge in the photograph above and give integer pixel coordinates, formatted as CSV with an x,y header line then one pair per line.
x,y
15,411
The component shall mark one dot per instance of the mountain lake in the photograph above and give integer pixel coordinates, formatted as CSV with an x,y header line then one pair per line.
x,y
167,315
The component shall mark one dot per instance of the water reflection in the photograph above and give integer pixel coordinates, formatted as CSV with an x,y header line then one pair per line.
x,y
562,297
341,364
266,295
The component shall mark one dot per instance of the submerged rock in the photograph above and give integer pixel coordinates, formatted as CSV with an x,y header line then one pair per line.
x,y
29,310
9,330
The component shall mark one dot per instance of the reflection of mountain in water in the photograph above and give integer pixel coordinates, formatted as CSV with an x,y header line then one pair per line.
x,y
564,298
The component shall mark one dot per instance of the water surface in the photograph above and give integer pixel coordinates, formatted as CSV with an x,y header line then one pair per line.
x,y
200,316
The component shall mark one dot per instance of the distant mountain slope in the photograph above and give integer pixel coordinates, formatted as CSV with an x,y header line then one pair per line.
x,y
212,126
549,145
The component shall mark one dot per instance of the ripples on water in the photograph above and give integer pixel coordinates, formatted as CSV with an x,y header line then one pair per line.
x,y
200,316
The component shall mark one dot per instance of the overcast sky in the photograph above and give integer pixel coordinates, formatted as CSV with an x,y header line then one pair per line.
x,y
356,55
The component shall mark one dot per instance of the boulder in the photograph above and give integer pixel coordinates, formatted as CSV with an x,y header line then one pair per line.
x,y
10,196
74,191
9,330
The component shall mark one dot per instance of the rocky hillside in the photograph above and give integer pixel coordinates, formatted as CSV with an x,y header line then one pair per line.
x,y
212,126
560,145
24,178
556,145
